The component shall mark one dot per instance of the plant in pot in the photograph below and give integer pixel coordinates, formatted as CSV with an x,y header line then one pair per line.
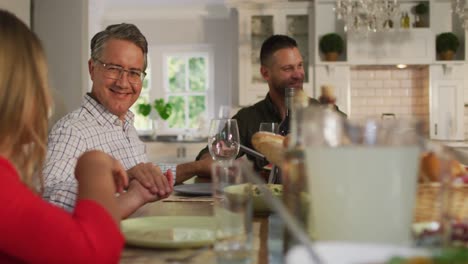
x,y
421,10
447,44
163,111
331,45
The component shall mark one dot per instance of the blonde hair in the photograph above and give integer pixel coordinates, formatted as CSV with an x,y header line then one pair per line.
x,y
24,99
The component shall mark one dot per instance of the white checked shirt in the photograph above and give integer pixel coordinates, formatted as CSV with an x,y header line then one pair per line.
x,y
91,127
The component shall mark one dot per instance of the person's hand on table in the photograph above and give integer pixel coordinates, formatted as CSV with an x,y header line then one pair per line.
x,y
151,177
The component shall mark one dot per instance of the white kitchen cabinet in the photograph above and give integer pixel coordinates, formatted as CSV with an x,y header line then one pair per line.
x,y
446,112
259,20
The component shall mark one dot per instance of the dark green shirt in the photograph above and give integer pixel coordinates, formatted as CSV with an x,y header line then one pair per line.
x,y
248,121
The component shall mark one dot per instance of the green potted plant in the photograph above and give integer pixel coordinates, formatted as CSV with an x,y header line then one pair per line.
x,y
163,111
447,44
331,45
421,10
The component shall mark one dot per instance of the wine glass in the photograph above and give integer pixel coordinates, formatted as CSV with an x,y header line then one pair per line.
x,y
223,139
224,111
269,127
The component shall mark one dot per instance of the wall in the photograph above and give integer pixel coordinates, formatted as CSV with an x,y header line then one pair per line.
x,y
21,8
377,90
63,29
465,121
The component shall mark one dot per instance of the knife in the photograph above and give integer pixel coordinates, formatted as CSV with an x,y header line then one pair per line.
x,y
253,153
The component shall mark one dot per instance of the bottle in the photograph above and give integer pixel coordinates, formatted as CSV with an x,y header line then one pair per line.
x,y
407,20
284,125
402,20
294,178
283,129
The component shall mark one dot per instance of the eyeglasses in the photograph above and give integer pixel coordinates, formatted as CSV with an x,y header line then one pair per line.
x,y
115,72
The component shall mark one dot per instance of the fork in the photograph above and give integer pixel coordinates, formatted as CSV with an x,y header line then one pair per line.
x,y
186,259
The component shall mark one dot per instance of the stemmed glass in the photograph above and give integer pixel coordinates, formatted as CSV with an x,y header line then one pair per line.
x,y
272,128
223,139
269,127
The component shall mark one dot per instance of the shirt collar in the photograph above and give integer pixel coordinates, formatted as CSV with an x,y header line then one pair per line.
x,y
103,116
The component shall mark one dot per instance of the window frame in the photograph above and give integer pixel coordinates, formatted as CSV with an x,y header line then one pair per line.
x,y
160,80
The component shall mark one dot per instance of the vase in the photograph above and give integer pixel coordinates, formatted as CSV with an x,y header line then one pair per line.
x,y
331,56
155,127
446,55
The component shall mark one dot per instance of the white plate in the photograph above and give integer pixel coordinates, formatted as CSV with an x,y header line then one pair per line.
x,y
351,253
169,231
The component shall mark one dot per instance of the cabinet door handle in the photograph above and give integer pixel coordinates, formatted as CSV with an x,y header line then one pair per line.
x,y
435,129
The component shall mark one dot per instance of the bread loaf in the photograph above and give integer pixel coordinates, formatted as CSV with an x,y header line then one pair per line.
x,y
270,145
431,168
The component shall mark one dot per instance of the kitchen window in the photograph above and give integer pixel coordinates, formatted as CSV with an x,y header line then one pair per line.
x,y
143,123
183,76
186,85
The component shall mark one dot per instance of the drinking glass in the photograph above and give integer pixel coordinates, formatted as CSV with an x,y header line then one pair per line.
x,y
223,139
224,111
269,127
232,198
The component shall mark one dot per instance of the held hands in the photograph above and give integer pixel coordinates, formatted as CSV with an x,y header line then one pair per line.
x,y
99,176
151,177
97,162
144,194
138,195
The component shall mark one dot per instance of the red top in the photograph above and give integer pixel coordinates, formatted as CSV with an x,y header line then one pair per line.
x,y
34,231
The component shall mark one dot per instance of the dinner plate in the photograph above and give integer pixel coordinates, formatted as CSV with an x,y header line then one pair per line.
x,y
169,231
352,253
194,189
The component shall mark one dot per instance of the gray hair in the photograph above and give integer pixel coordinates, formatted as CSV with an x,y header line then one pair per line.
x,y
121,31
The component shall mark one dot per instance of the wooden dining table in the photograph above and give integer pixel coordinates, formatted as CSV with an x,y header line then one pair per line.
x,y
266,234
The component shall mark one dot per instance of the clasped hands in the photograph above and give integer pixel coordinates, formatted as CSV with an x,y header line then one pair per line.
x,y
149,181
145,181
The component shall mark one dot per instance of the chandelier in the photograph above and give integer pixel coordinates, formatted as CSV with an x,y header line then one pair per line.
x,y
458,7
363,16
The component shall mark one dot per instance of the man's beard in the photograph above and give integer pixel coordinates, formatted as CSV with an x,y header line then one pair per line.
x,y
280,88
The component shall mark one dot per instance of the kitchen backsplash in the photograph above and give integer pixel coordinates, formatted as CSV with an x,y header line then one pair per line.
x,y
385,89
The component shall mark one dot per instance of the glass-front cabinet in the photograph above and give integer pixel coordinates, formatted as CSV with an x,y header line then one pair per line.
x,y
256,23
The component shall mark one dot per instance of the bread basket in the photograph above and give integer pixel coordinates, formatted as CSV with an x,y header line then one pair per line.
x,y
429,200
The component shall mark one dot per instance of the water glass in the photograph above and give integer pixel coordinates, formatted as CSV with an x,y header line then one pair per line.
x,y
233,213
269,127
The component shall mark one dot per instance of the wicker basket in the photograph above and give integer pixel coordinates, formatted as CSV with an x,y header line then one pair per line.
x,y
428,202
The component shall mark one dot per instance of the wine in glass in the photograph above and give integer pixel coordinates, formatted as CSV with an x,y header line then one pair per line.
x,y
223,139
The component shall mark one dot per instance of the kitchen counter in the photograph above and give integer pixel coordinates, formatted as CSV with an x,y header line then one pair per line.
x,y
173,139
460,149
173,151
453,144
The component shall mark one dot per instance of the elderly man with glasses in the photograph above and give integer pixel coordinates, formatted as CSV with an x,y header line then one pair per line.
x,y
104,122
